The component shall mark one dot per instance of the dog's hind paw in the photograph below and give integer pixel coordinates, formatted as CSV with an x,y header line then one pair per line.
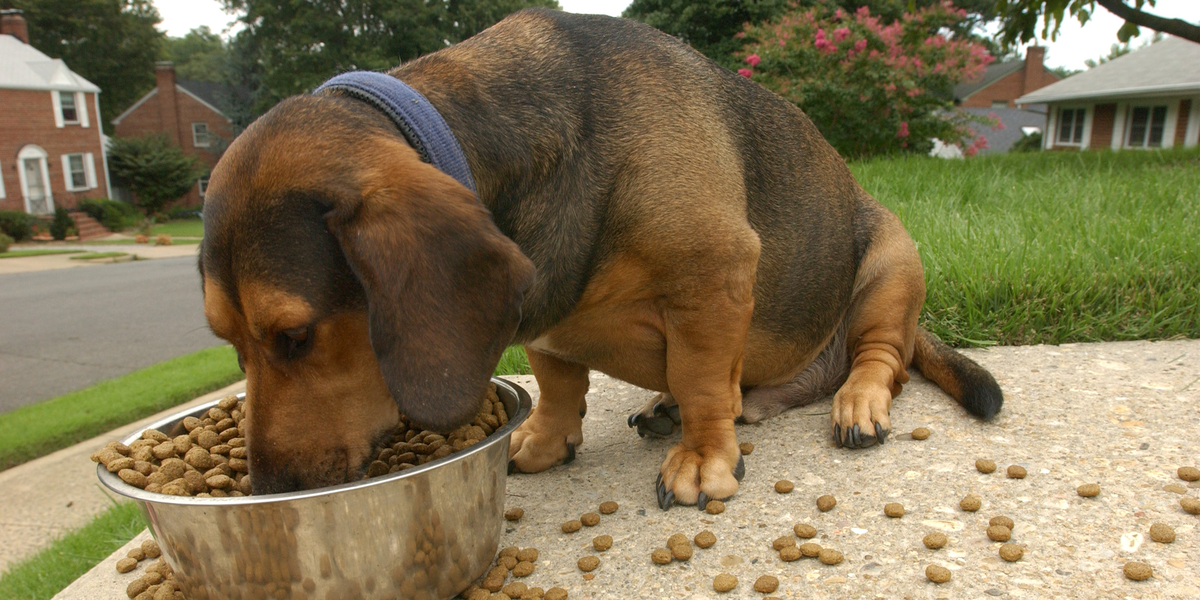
x,y
660,417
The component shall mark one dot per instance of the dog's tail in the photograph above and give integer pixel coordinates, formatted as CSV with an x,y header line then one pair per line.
x,y
967,382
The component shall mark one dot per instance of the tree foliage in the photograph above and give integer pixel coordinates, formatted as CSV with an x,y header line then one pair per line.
x,y
870,88
1020,18
112,43
200,55
154,169
290,47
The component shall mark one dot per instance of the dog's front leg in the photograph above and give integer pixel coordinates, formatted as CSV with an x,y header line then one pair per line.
x,y
550,435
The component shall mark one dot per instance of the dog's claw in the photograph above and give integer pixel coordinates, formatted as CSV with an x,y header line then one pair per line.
x,y
702,501
837,435
880,433
665,497
512,467
633,419
670,412
740,470
570,454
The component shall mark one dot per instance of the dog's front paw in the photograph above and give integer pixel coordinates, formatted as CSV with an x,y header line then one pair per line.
x,y
691,476
538,445
860,416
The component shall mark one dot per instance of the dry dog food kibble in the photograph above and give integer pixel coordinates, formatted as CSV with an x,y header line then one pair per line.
x,y
661,556
1188,473
970,503
602,542
1162,533
789,554
810,549
590,519
920,433
556,593
527,555
682,552
805,531
984,465
1088,490
894,510
514,589
782,542
1190,505
150,549
533,593
607,508
934,540
766,584
523,569
508,562
1011,552
784,486
571,526
588,564
126,565
1016,472
1138,571
705,539
514,514
829,556
746,448
724,582
1002,521
714,507
676,539
509,551
826,503
999,533
937,573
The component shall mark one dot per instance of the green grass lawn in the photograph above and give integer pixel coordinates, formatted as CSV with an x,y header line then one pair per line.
x,y
1052,247
179,228
39,252
44,574
91,255
38,429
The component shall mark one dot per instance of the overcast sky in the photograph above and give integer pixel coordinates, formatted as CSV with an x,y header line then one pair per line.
x,y
1073,46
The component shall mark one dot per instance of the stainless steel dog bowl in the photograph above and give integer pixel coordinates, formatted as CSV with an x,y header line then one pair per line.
x,y
425,532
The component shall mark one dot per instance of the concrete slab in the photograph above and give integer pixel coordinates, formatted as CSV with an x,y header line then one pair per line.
x,y
47,262
1122,414
45,498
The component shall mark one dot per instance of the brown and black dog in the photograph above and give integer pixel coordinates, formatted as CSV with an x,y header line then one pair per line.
x,y
641,211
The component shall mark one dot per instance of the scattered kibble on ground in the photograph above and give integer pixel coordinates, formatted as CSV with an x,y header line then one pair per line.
x,y
766,584
1002,521
784,486
1088,490
984,465
588,564
829,556
1188,473
934,540
602,542
746,448
1016,472
609,507
514,514
1011,552
571,526
999,533
705,539
782,542
1138,571
1190,505
790,553
590,519
826,503
937,573
894,510
661,556
970,503
555,593
126,565
804,530
1162,533
810,549
724,582
714,507
920,433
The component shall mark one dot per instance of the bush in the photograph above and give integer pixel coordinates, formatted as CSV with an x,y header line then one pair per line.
x,y
156,170
113,214
61,224
1028,143
871,89
16,224
5,242
184,212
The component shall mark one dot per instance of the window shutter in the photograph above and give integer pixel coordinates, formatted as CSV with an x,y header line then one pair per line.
x,y
57,104
66,161
89,166
81,102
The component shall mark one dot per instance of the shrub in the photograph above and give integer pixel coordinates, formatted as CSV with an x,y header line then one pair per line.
x,y
61,223
5,242
1028,143
184,212
869,88
156,170
113,214
16,224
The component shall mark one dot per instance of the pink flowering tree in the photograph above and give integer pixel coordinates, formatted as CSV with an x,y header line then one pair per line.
x,y
870,88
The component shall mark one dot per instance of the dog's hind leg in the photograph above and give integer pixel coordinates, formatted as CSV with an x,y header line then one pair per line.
x,y
659,418
881,331
819,379
550,435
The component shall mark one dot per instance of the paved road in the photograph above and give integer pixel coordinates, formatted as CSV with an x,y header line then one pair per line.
x,y
66,329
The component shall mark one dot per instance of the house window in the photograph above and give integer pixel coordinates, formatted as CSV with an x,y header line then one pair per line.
x,y
1070,125
999,103
200,135
202,183
76,175
66,101
1146,125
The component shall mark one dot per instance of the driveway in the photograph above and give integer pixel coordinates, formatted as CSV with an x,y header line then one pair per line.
x,y
63,330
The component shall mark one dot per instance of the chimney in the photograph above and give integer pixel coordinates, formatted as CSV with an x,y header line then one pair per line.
x,y
1034,56
12,22
168,107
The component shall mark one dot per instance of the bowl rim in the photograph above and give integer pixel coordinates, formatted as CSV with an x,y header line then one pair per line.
x,y
116,484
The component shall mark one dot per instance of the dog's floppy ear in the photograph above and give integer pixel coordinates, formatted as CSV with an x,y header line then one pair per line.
x,y
444,287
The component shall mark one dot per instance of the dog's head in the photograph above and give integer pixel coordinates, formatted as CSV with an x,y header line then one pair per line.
x,y
354,280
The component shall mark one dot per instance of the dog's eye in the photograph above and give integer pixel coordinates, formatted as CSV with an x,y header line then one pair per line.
x,y
295,342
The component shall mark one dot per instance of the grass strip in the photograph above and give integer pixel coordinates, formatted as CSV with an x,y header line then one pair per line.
x,y
1051,247
39,429
91,255
46,573
42,252
181,227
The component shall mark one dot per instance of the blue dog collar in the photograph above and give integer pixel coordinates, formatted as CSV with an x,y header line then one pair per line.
x,y
418,120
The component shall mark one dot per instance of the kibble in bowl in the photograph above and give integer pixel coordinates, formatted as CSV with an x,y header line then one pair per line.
x,y
429,529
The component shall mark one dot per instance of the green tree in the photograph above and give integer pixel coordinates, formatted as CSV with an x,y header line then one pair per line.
x,y
1019,18
290,47
112,43
154,169
200,55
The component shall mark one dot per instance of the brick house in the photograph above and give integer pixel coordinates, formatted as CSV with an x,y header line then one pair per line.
x,y
51,143
186,112
994,95
1149,98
